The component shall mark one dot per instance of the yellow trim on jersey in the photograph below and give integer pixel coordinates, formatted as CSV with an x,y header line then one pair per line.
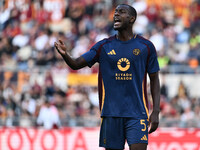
x,y
103,96
101,121
144,100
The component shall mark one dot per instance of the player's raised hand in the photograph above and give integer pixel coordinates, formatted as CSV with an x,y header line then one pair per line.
x,y
60,47
153,121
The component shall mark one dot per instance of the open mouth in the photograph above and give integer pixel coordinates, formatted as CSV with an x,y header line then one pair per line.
x,y
117,21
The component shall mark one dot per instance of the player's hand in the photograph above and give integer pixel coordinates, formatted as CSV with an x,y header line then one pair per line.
x,y
153,121
60,47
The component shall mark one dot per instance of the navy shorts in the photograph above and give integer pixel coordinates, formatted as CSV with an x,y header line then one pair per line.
x,y
116,130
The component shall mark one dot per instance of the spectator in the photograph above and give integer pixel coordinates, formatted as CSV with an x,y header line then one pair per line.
x,y
187,117
48,116
93,97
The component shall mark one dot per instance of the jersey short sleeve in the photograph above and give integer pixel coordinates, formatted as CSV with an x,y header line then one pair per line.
x,y
92,56
153,65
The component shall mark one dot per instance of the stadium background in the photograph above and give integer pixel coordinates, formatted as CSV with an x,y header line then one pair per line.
x,y
39,92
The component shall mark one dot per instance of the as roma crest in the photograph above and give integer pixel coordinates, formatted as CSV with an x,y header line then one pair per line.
x,y
136,51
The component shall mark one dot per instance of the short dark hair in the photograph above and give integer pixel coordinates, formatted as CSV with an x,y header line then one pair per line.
x,y
132,10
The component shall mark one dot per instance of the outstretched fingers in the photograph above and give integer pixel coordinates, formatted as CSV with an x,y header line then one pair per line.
x,y
60,47
57,46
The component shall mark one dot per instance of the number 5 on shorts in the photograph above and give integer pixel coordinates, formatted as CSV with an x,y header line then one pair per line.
x,y
142,122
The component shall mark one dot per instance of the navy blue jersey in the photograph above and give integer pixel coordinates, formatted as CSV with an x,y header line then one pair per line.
x,y
123,68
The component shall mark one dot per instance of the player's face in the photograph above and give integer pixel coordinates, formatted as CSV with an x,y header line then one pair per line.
x,y
121,17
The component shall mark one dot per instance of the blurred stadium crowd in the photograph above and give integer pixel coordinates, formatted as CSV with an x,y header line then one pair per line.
x,y
34,90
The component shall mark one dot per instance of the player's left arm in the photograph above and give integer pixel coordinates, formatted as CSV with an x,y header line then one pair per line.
x,y
155,92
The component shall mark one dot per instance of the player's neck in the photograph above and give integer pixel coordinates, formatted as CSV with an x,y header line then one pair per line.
x,y
124,36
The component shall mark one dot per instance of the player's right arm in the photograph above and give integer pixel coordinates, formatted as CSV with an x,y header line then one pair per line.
x,y
74,64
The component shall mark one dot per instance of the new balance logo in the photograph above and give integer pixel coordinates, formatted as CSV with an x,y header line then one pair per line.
x,y
144,138
112,52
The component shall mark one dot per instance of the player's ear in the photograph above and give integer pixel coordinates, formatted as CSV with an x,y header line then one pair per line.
x,y
132,20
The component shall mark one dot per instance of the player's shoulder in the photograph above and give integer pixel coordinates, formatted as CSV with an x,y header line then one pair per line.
x,y
106,40
103,42
144,40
